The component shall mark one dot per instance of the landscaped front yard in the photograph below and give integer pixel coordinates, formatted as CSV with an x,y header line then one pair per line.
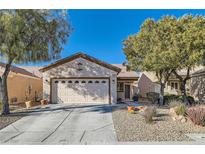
x,y
132,127
14,108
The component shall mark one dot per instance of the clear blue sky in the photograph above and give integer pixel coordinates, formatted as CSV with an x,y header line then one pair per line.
x,y
100,33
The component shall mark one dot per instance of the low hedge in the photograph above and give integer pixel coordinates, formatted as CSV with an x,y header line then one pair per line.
x,y
152,96
170,97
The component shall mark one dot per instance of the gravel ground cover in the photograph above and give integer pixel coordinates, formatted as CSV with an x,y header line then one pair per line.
x,y
132,127
14,116
7,120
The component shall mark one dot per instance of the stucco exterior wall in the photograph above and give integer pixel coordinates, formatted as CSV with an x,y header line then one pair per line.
x,y
89,69
145,85
18,87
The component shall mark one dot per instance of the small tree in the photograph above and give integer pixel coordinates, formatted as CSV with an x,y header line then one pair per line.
x,y
167,46
188,47
30,36
149,49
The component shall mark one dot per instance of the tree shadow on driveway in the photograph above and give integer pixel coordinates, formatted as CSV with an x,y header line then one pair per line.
x,y
101,108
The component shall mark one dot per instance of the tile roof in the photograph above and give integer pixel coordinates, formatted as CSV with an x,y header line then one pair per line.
x,y
80,55
199,72
19,70
126,74
33,69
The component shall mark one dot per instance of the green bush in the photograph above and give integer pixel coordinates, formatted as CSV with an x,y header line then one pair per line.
x,y
181,109
152,96
191,100
174,103
171,97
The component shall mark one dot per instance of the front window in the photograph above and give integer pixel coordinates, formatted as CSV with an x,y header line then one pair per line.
x,y
174,85
120,86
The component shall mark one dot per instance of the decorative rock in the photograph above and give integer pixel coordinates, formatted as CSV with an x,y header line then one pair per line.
x,y
174,118
180,117
134,129
173,113
183,120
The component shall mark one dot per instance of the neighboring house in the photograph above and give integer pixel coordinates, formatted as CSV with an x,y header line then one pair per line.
x,y
198,85
23,84
33,69
146,85
81,78
173,84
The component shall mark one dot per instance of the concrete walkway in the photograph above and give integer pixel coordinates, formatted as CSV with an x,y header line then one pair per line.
x,y
63,124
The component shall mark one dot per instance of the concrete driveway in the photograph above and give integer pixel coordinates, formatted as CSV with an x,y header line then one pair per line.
x,y
63,124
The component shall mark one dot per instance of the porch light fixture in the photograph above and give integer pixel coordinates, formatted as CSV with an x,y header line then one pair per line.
x,y
113,78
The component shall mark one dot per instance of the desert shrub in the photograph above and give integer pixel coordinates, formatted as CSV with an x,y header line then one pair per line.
x,y
152,96
149,113
191,100
181,109
173,103
197,114
171,97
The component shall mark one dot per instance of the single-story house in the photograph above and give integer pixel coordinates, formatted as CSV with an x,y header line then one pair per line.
x,y
81,78
23,83
198,85
173,84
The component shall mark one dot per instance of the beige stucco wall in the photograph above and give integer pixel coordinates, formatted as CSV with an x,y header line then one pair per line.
x,y
89,69
145,85
151,75
18,87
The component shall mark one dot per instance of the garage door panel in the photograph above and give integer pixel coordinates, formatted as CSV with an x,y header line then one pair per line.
x,y
80,90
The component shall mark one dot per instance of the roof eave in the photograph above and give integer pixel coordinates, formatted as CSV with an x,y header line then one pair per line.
x,y
80,55
128,78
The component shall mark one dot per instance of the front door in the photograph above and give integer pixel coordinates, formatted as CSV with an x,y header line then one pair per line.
x,y
127,91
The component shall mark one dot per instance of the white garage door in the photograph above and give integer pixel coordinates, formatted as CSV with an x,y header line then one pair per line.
x,y
80,90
